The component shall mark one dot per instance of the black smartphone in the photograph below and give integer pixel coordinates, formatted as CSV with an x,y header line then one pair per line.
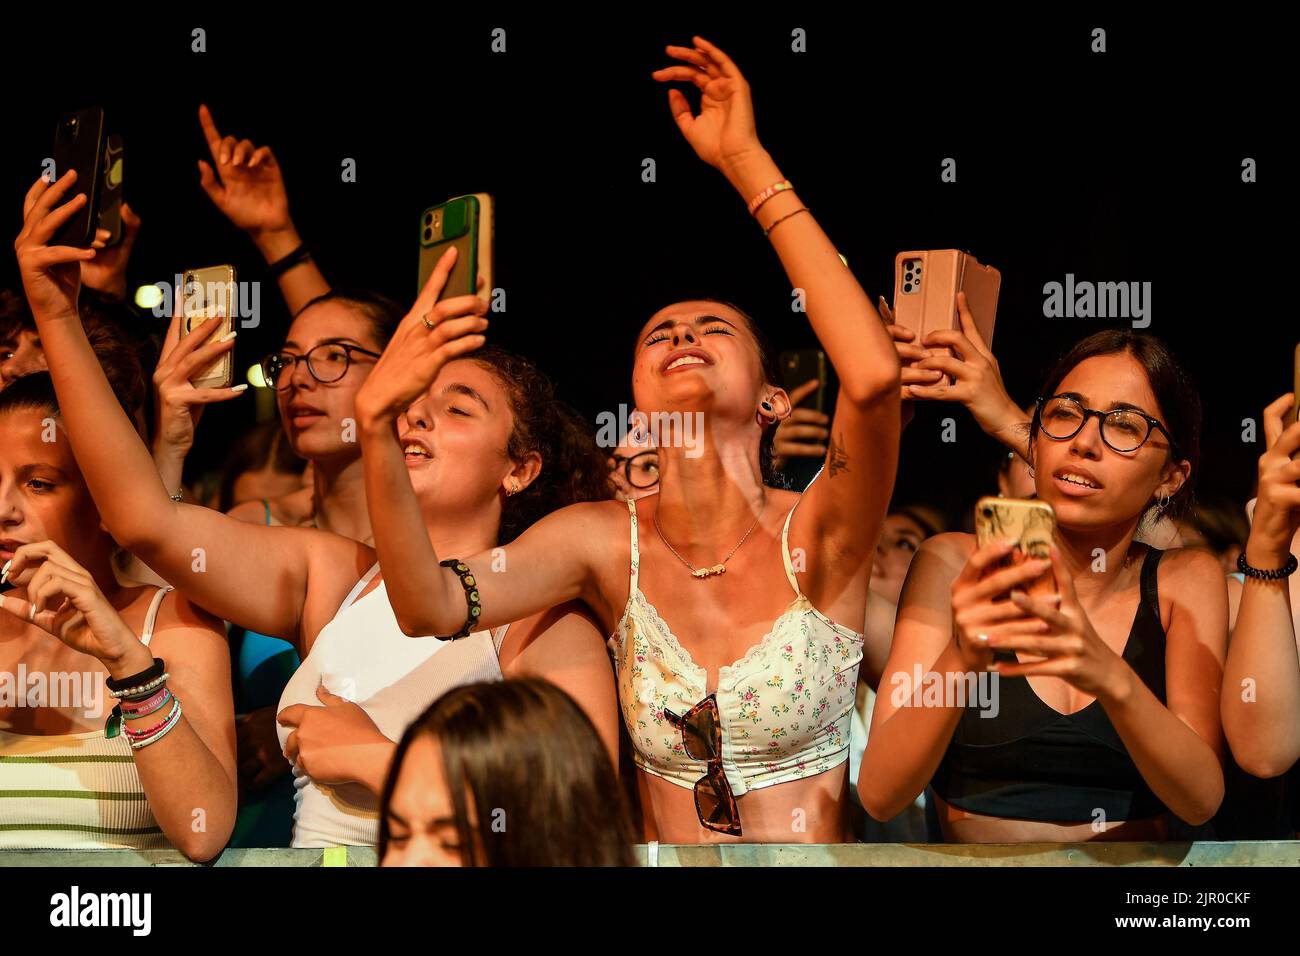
x,y
79,145
110,198
804,365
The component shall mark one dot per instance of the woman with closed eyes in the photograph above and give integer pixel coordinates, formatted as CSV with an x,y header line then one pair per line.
x,y
737,697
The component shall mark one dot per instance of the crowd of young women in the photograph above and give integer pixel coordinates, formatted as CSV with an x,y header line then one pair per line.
x,y
477,618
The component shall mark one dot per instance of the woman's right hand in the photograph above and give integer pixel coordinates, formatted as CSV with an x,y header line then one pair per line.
x,y
1277,509
179,403
976,612
431,335
51,274
251,191
977,380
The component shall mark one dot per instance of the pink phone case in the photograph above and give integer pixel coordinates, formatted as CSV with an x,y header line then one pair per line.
x,y
926,284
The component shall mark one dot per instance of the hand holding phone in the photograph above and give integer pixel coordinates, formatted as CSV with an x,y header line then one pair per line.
x,y
206,293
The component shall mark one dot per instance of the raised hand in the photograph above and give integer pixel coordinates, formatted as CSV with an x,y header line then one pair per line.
x,y
977,380
179,403
1277,508
431,335
250,192
723,133
51,274
107,271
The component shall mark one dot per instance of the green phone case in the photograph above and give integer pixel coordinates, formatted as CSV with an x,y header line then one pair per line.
x,y
454,222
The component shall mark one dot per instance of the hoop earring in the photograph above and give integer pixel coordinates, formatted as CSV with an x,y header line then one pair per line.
x,y
513,489
1162,504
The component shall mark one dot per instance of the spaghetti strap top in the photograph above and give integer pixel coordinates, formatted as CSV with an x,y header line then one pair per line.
x,y
1031,762
785,706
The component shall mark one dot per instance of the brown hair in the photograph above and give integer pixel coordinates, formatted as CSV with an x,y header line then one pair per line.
x,y
522,747
573,467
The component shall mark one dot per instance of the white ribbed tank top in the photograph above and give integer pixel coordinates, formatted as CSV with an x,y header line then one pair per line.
x,y
363,655
76,791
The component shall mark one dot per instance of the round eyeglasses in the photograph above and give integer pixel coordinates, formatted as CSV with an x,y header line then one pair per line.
x,y
327,363
1123,429
641,470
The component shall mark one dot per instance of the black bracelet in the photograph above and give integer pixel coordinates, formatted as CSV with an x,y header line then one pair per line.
x,y
150,673
1285,571
472,605
280,266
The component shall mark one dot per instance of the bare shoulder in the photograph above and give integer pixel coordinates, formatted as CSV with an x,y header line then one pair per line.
x,y
953,548
249,512
1187,572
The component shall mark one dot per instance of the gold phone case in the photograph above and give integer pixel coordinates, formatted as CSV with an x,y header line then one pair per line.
x,y
205,293
1029,524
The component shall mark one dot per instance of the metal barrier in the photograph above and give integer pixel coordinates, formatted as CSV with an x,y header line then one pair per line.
x,y
1263,853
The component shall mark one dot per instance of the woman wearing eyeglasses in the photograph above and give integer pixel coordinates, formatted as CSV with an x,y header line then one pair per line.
x,y
489,451
1102,719
736,609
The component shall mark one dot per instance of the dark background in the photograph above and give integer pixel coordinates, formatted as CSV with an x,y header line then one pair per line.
x,y
1122,166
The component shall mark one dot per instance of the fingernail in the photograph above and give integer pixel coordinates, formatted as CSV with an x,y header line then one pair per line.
x,y
982,638
4,573
228,336
239,388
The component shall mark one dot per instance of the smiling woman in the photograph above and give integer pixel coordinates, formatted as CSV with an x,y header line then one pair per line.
x,y
1108,719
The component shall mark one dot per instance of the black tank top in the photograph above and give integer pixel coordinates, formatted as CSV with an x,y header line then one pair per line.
x,y
1031,762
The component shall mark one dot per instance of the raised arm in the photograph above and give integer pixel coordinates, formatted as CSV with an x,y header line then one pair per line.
x,y
256,577
251,194
547,565
1261,679
842,511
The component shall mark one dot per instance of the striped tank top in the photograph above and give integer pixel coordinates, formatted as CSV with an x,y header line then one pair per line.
x,y
76,791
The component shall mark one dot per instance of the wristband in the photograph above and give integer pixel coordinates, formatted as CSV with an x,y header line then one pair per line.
x,y
1259,574
784,218
280,266
135,684
767,194
472,606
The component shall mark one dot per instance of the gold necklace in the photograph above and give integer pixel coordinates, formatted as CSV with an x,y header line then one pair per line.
x,y
702,573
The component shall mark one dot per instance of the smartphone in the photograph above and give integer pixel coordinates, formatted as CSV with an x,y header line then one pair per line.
x,y
926,284
804,365
205,293
79,145
1029,523
466,223
110,196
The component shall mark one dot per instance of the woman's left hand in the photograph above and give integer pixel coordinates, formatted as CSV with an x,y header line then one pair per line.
x,y
1071,648
63,599
723,134
330,743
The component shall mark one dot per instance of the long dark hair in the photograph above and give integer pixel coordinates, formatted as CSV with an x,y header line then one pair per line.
x,y
522,747
383,314
573,467
1170,383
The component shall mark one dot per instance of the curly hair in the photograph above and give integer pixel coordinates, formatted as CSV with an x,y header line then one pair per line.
x,y
573,467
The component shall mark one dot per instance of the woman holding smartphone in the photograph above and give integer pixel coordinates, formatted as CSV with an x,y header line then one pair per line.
x,y
1261,682
1103,717
738,703
516,455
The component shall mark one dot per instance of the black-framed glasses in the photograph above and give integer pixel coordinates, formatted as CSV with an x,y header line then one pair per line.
x,y
702,736
1123,429
327,363
641,470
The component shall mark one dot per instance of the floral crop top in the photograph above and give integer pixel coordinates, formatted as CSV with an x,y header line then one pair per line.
x,y
785,706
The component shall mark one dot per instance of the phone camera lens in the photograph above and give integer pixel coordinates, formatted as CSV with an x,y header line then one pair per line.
x,y
907,287
918,270
428,234
428,219
988,512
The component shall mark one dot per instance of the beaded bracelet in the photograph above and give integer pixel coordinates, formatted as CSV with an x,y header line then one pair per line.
x,y
472,605
141,691
172,720
141,734
767,194
1259,574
